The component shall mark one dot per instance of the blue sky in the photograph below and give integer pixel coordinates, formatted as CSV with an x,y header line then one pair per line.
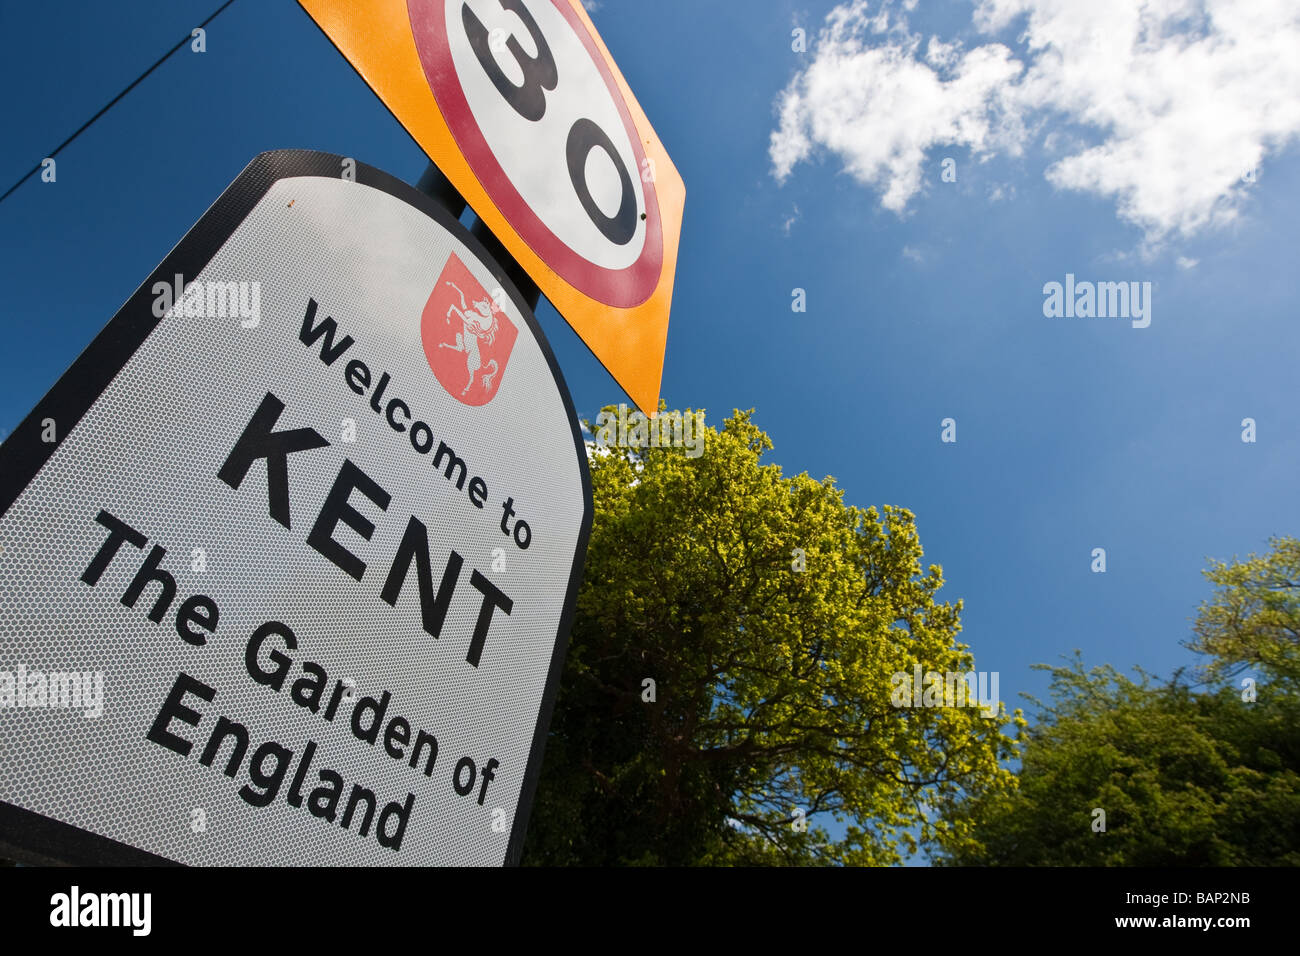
x,y
924,297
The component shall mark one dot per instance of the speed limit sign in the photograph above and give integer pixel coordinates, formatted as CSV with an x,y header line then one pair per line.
x,y
520,105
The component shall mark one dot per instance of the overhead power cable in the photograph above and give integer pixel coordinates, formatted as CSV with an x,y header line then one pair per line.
x,y
186,39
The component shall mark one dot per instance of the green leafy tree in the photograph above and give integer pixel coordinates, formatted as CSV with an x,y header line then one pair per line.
x,y
1185,776
1253,619
769,715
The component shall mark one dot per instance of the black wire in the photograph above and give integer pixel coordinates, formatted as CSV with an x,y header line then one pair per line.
x,y
188,37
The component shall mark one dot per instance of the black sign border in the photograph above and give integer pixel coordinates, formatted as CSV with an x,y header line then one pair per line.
x,y
42,840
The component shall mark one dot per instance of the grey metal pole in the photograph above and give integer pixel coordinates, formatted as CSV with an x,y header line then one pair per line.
x,y
514,271
434,184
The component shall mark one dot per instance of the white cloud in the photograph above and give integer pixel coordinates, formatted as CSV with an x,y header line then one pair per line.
x,y
1186,263
1115,256
1177,99
910,252
790,220
880,108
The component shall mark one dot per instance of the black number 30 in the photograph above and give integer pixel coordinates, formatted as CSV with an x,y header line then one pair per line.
x,y
540,74
529,101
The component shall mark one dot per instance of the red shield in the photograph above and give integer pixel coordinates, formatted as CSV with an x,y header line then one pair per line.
x,y
467,336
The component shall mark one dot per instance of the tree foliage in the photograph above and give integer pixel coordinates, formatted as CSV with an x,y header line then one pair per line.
x,y
771,686
1186,775
1253,619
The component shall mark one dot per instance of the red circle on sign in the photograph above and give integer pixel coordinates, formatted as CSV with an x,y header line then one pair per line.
x,y
621,288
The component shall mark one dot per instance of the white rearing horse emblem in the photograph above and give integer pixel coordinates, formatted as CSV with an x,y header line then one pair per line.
x,y
478,324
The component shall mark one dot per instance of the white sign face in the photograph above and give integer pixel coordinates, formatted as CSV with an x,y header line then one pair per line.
x,y
530,128
293,585
533,105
